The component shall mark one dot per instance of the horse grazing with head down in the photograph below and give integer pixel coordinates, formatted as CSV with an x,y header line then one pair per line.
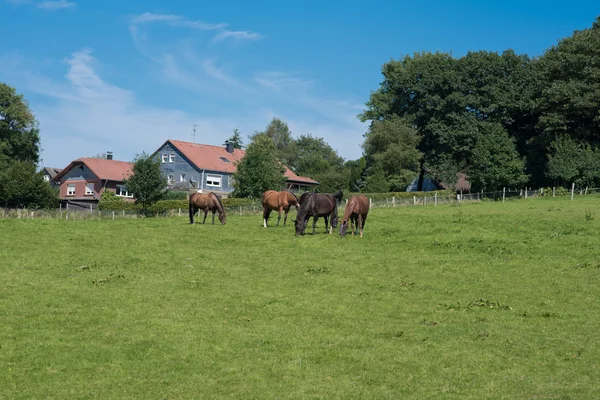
x,y
207,202
280,201
356,212
318,205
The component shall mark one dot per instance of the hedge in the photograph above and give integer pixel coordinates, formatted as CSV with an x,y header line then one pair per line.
x,y
401,195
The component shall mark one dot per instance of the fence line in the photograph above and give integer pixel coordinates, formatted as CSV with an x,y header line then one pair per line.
x,y
510,194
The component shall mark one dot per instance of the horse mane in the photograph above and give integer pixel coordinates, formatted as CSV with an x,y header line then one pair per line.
x,y
293,194
219,200
338,196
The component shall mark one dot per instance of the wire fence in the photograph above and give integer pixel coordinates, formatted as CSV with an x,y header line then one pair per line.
x,y
256,208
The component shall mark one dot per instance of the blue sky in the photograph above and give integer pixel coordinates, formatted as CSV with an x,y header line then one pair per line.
x,y
124,76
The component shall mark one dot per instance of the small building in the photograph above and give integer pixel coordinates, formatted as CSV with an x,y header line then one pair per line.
x,y
209,168
49,173
84,180
462,184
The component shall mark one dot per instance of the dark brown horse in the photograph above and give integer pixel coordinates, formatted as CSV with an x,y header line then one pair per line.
x,y
280,201
356,212
318,205
207,202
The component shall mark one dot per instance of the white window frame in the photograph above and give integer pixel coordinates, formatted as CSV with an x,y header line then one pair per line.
x,y
172,157
69,187
46,178
89,191
211,179
122,189
182,177
170,179
164,157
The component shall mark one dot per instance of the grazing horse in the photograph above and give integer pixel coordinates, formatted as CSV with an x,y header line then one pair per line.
x,y
318,205
207,201
356,212
280,201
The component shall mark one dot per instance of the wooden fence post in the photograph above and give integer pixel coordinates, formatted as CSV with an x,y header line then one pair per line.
x,y
553,191
113,215
435,199
394,201
572,190
414,200
503,193
370,203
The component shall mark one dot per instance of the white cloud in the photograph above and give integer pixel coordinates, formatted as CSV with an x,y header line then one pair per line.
x,y
236,35
174,20
53,5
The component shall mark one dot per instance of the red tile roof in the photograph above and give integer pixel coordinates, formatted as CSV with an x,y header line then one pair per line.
x,y
112,170
208,157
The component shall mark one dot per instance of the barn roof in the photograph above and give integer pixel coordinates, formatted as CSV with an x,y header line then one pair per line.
x,y
111,170
217,158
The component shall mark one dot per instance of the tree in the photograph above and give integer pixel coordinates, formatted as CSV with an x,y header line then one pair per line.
x,y
279,132
316,159
19,132
392,145
259,170
495,162
236,139
376,181
572,161
147,182
21,186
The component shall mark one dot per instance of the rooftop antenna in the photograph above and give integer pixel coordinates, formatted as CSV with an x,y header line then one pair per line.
x,y
194,134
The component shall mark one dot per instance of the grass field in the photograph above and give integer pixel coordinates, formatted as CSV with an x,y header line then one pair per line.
x,y
485,300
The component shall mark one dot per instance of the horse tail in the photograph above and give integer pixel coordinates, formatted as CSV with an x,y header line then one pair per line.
x,y
295,197
338,196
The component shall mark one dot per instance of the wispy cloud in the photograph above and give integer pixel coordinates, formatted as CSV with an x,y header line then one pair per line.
x,y
53,5
236,35
175,20
279,80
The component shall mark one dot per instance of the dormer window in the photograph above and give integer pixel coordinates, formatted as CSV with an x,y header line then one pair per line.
x,y
225,160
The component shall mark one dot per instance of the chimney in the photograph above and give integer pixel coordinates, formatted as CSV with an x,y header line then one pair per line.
x,y
109,155
229,146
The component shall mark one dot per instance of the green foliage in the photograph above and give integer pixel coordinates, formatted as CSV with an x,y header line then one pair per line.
x,y
376,180
162,206
356,171
316,159
19,132
259,170
175,195
279,133
570,161
391,145
21,186
236,139
147,182
495,162
110,196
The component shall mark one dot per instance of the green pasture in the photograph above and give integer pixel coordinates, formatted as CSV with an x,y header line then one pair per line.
x,y
477,301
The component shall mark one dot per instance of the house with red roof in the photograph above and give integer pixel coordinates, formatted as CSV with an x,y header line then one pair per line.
x,y
209,168
84,180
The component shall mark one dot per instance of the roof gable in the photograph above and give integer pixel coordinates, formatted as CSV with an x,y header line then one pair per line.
x,y
111,170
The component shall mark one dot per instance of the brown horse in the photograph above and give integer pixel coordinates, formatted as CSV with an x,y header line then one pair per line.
x,y
280,201
356,211
207,201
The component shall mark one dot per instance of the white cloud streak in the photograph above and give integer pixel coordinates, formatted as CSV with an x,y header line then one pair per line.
x,y
175,20
52,5
236,35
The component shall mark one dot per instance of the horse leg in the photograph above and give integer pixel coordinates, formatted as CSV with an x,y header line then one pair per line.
x,y
205,214
279,217
360,224
192,212
214,211
266,213
327,229
315,224
353,224
285,216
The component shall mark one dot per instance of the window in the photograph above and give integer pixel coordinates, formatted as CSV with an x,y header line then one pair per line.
x,y
71,189
164,158
170,179
225,160
122,191
172,157
46,178
213,180
182,178
89,188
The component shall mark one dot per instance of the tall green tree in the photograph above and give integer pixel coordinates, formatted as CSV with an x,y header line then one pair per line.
x,y
236,139
279,132
259,170
495,162
19,130
316,159
392,145
21,186
147,182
